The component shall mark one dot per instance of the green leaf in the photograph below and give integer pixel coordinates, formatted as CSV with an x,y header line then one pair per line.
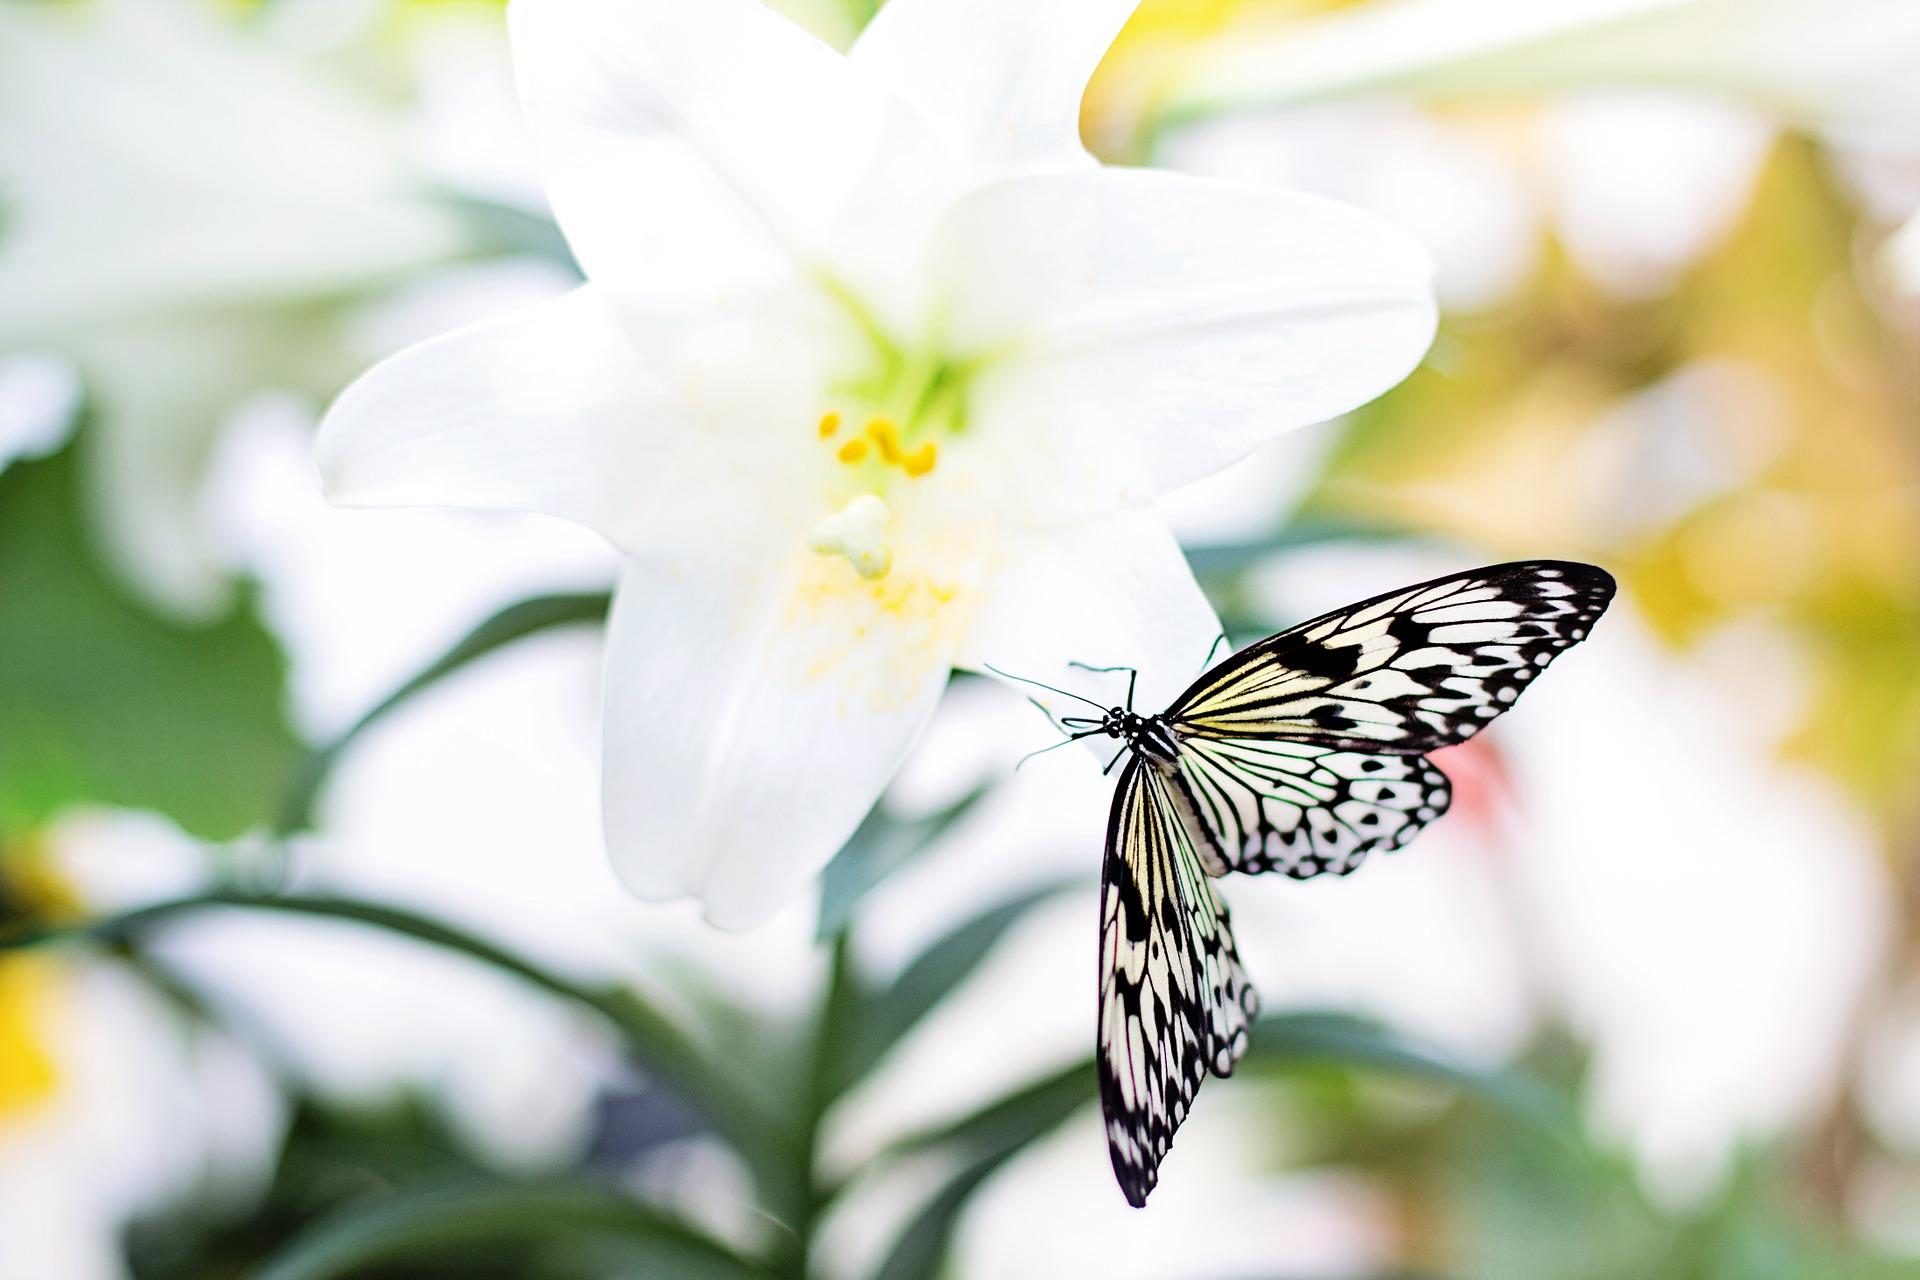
x,y
874,1021
1288,1041
882,845
987,1140
438,1221
515,622
103,701
737,1112
990,1137
922,1247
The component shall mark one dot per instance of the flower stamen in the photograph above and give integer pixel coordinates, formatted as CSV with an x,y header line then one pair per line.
x,y
886,435
852,451
829,424
921,460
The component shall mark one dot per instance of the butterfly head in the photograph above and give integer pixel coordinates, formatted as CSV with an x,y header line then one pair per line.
x,y
1126,726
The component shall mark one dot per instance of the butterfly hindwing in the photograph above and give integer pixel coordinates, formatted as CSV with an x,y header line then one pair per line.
x,y
1304,810
1174,1000
1409,671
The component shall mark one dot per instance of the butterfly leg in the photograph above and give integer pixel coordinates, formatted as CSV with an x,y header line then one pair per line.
x,y
1116,760
1133,676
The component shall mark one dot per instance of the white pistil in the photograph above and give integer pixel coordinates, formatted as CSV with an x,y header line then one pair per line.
x,y
857,531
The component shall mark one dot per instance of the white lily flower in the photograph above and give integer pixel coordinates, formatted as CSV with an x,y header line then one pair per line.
x,y
1825,63
875,374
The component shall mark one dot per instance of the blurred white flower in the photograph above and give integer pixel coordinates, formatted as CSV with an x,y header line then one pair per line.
x,y
175,237
1671,107
110,1105
38,396
875,373
1457,191
1709,919
1826,63
1643,183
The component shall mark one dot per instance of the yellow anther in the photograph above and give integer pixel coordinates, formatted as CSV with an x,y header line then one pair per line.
x,y
829,423
887,436
858,531
852,451
921,460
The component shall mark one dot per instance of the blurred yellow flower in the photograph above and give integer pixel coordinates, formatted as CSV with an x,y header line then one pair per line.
x,y
29,990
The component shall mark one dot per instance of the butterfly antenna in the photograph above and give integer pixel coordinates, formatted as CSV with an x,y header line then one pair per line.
x,y
1038,685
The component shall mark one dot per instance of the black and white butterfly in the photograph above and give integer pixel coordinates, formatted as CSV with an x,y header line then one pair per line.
x,y
1301,754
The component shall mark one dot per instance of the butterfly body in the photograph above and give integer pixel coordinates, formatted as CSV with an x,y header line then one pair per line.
x,y
1147,737
1302,754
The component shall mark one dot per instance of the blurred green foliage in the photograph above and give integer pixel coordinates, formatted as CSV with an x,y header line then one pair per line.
x,y
105,702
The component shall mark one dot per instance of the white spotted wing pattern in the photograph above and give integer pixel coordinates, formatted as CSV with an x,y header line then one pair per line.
x,y
1301,754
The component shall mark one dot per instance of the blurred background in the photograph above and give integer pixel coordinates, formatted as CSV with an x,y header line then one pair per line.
x,y
313,964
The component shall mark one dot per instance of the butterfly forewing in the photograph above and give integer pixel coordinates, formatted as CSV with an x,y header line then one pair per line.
x,y
1174,1001
1410,671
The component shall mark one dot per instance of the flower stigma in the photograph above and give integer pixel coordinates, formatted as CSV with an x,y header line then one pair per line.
x,y
858,531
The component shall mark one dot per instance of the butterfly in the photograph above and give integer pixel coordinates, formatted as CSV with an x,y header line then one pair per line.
x,y
1301,754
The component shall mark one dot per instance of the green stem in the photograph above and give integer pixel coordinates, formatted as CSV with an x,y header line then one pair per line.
x,y
822,1072
448,1221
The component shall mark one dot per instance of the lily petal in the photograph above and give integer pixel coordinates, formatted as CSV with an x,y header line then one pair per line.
x,y
665,184
755,709
1000,81
547,409
1162,327
1111,592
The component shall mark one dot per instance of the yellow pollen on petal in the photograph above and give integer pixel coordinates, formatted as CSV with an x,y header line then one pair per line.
x,y
857,531
852,451
829,423
921,460
886,435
